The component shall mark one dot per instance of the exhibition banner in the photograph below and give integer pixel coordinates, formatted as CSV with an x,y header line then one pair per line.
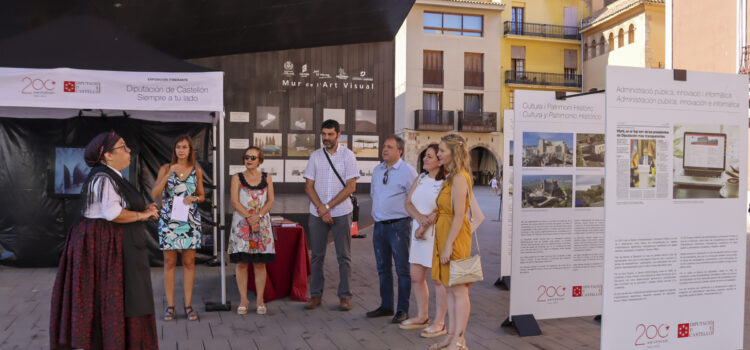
x,y
506,233
674,267
97,89
558,213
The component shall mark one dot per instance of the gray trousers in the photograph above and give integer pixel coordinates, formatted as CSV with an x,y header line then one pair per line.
x,y
319,241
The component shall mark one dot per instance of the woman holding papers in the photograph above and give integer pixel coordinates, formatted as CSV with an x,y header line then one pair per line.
x,y
102,297
453,235
180,186
251,240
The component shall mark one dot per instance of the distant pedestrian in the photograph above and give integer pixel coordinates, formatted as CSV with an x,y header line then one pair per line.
x,y
493,185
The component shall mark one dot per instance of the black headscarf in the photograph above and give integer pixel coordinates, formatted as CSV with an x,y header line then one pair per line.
x,y
94,155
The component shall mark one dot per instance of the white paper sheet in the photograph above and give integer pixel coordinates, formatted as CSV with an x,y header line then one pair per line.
x,y
179,209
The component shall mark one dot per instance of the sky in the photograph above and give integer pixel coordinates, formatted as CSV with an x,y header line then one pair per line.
x,y
583,182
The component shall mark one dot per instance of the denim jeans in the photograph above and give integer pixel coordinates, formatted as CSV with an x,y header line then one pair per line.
x,y
392,241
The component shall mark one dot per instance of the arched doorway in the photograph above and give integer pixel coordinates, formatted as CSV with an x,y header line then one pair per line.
x,y
483,165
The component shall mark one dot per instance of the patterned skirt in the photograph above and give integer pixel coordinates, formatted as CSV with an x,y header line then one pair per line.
x,y
87,309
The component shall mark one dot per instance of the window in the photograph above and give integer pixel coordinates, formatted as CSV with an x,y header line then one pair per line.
x,y
631,34
602,45
611,42
432,101
593,48
516,24
473,103
453,24
585,51
570,73
432,71
517,64
570,61
620,38
473,69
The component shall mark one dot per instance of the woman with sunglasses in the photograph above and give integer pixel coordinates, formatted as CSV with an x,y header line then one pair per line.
x,y
251,241
181,179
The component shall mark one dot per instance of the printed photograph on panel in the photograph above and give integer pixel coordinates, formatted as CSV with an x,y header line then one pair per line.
x,y
590,150
510,155
274,167
365,120
301,119
706,161
589,191
547,191
300,145
294,170
547,149
338,115
268,118
270,143
365,146
642,163
366,168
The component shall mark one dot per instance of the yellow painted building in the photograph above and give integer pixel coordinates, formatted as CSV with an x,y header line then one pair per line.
x,y
541,47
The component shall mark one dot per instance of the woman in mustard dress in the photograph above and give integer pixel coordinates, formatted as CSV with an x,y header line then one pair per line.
x,y
453,235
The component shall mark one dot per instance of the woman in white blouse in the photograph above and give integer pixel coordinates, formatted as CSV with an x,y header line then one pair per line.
x,y
420,204
102,296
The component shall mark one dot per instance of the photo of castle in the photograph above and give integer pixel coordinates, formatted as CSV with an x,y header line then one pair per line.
x,y
547,149
547,191
590,150
589,191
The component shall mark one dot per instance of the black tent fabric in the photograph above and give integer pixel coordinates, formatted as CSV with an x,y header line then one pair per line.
x,y
33,221
87,42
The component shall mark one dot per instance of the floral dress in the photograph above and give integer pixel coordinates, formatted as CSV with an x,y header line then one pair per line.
x,y
178,235
246,246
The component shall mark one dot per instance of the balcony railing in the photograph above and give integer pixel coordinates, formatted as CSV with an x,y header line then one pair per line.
x,y
432,76
477,121
545,79
474,79
431,120
541,30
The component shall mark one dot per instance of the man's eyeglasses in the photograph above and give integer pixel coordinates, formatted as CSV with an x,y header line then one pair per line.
x,y
123,147
246,157
385,177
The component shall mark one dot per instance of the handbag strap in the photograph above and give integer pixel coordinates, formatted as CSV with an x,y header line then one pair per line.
x,y
337,173
473,232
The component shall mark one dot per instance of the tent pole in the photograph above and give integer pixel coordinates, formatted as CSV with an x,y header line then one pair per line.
x,y
214,198
222,209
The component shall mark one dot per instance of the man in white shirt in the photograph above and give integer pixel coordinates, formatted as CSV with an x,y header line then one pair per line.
x,y
330,211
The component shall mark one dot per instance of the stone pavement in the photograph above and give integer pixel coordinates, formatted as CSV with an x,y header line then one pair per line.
x,y
25,296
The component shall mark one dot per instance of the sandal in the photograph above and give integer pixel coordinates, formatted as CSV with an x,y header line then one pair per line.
x,y
242,310
409,324
191,314
261,310
169,314
428,333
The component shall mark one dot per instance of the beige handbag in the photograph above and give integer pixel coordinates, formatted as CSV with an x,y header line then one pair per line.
x,y
468,270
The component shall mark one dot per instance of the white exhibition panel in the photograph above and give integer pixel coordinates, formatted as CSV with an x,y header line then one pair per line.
x,y
97,89
674,260
506,233
558,214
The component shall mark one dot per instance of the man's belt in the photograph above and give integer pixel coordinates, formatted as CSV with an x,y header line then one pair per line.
x,y
392,221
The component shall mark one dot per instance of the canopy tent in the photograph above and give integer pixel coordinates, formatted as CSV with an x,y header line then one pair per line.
x,y
53,78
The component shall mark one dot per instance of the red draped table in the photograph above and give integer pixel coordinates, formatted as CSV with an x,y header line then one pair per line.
x,y
287,275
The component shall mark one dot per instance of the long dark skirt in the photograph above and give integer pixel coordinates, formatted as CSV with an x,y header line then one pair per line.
x,y
88,309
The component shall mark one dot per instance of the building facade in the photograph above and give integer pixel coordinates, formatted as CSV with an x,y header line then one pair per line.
x,y
541,47
447,79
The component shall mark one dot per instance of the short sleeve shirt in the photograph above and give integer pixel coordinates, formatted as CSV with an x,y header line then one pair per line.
x,y
327,185
389,199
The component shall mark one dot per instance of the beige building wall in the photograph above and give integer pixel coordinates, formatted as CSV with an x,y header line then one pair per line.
x,y
453,47
705,35
647,49
410,43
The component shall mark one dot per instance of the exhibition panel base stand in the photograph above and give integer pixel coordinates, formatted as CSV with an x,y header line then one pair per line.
x,y
525,325
503,283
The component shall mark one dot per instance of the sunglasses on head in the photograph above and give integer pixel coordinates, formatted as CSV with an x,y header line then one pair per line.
x,y
246,157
